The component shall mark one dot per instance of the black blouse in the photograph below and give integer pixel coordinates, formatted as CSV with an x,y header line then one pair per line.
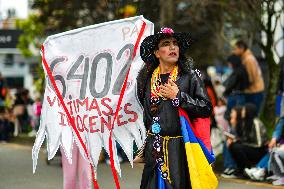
x,y
193,99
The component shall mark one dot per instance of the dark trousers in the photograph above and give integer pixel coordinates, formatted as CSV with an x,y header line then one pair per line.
x,y
246,156
232,101
5,130
4,133
256,99
228,159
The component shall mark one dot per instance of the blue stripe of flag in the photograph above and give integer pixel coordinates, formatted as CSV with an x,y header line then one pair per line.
x,y
161,181
189,136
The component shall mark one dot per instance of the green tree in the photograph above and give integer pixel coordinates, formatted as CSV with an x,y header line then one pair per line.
x,y
271,13
29,44
63,15
32,34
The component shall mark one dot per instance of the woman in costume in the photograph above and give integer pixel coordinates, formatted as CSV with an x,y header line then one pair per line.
x,y
165,83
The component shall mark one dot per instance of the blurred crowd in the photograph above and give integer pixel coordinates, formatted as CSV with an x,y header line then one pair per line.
x,y
236,131
19,113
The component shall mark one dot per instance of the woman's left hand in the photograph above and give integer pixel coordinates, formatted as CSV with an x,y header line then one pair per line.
x,y
169,90
229,141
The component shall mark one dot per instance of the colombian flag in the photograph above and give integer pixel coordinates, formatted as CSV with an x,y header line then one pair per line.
x,y
198,156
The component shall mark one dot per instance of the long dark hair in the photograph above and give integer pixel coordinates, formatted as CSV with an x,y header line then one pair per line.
x,y
242,44
235,61
250,114
238,110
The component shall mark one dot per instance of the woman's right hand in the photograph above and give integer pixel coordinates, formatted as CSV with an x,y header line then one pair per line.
x,y
272,143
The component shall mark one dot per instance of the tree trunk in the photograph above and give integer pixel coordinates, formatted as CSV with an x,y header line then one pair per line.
x,y
167,10
269,104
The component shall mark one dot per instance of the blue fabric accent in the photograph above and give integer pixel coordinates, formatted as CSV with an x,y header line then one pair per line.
x,y
278,105
263,163
156,128
228,160
188,135
183,129
210,158
278,129
212,153
256,99
161,181
234,100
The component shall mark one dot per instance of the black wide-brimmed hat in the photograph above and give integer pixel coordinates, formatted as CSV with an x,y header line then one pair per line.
x,y
150,43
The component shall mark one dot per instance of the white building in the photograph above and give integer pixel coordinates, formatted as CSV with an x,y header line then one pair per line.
x,y
16,69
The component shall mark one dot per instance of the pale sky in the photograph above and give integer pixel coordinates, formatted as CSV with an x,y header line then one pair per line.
x,y
21,7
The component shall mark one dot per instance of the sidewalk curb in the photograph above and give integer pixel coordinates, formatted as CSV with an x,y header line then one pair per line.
x,y
249,182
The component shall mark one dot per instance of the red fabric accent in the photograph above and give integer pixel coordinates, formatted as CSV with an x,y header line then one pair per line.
x,y
67,113
3,92
118,105
200,127
212,97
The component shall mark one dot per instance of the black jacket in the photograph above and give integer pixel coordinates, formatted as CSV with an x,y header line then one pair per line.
x,y
193,99
237,81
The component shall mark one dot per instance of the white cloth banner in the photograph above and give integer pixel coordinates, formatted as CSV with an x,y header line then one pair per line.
x,y
89,66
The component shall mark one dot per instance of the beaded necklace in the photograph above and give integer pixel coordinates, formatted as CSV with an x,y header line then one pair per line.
x,y
158,148
156,81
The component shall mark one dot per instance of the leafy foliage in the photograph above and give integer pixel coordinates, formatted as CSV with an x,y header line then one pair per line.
x,y
32,34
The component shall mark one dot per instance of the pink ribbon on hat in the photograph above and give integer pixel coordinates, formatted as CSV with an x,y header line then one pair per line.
x,y
167,30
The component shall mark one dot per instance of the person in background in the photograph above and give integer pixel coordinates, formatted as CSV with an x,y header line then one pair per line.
x,y
213,97
210,89
9,100
120,155
235,85
219,112
276,166
21,112
217,137
6,126
36,112
254,93
3,90
219,88
259,172
76,175
249,145
230,166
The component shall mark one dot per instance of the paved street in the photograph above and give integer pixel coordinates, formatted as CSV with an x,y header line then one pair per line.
x,y
16,173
